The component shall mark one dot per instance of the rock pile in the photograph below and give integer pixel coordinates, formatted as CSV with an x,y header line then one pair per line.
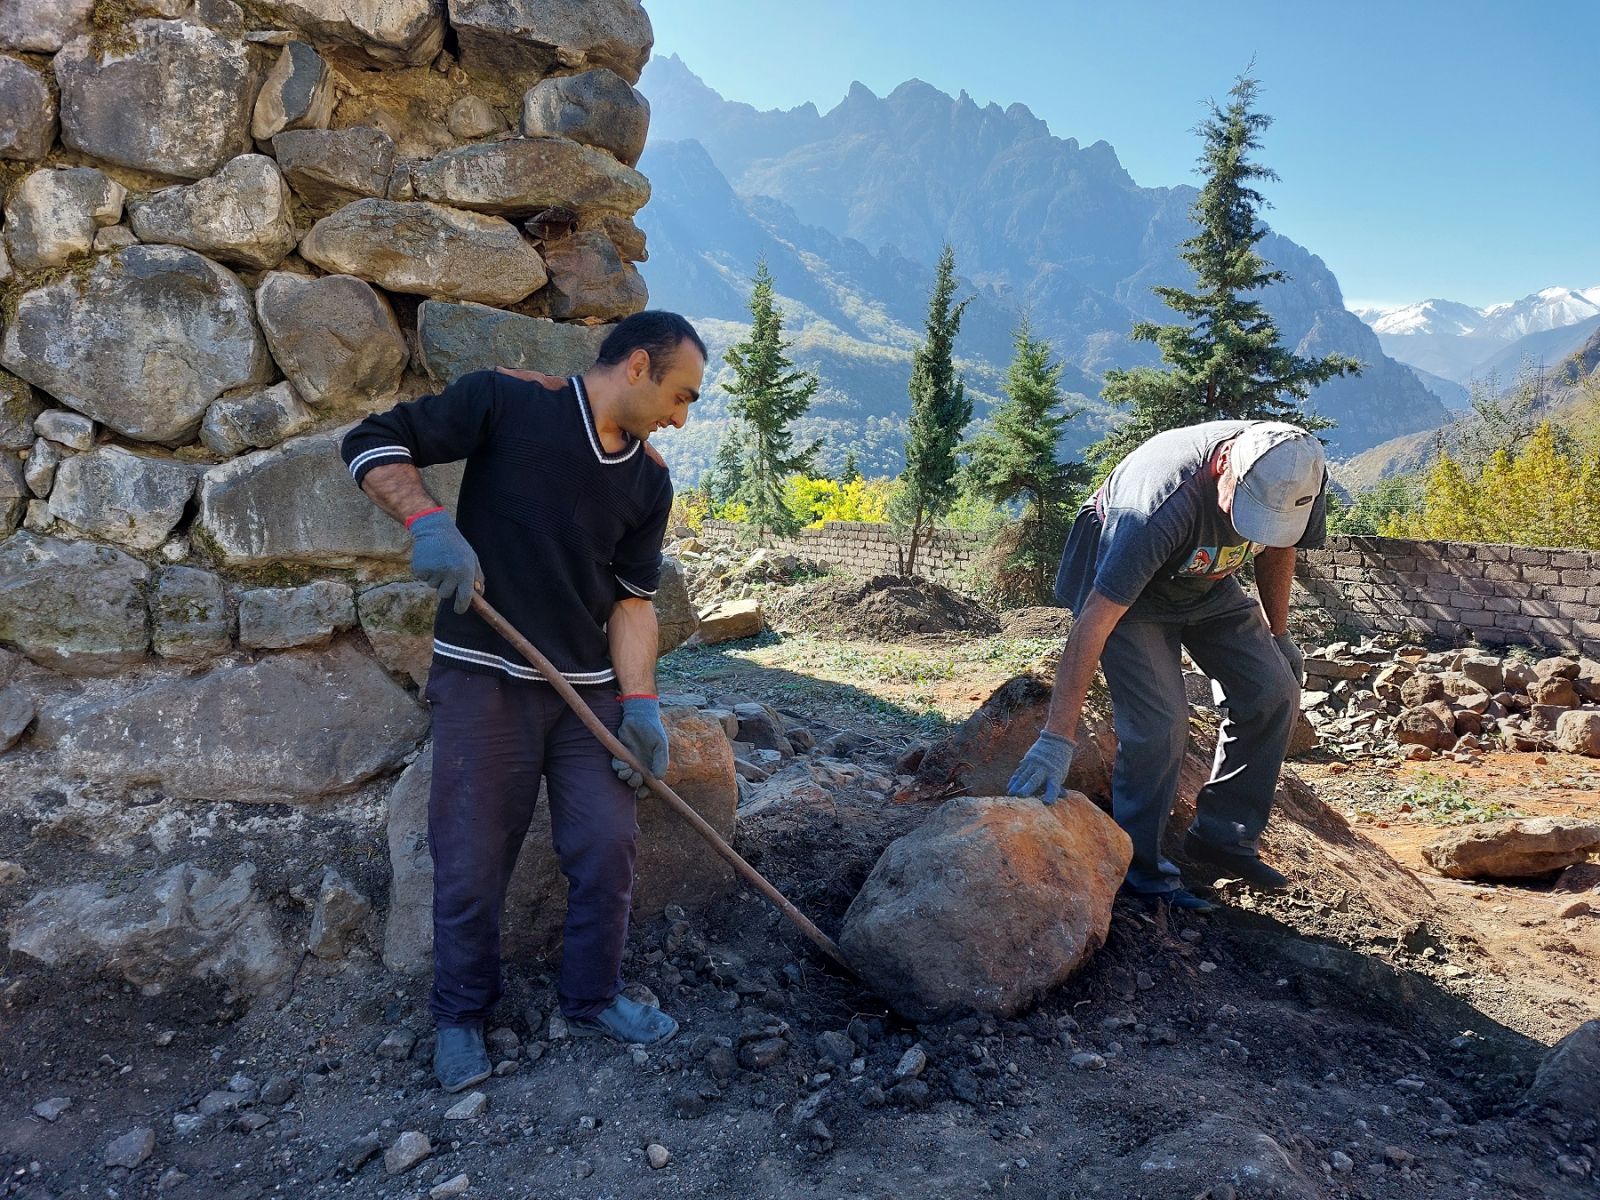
x,y
1372,700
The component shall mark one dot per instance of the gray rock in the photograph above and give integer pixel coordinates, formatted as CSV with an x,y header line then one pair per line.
x,y
988,905
328,168
408,1150
676,618
281,618
189,615
627,237
13,479
471,118
297,503
131,499
254,419
298,94
427,250
457,339
17,710
341,911
72,430
597,108
519,177
674,866
121,108
40,470
397,1045
144,345
114,237
51,1109
1567,1072
398,621
182,924
398,31
202,737
238,216
470,1106
52,215
74,606
588,279
131,1149
536,37
42,26
1514,849
20,407
334,337
27,110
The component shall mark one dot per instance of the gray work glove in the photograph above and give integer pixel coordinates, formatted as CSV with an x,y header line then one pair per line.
x,y
1044,766
443,560
642,733
1293,656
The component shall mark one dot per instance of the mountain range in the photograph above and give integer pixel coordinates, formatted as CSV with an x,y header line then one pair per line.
x,y
1460,343
851,207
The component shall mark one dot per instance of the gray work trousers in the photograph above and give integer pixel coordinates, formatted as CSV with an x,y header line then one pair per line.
x,y
1231,643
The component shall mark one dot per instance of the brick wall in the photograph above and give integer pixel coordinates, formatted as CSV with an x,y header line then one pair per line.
x,y
1496,594
863,548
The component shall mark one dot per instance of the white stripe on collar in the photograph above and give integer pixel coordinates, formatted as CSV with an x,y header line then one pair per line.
x,y
621,456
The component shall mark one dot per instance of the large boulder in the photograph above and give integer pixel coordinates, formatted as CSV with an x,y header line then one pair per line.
x,y
75,606
397,31
299,93
597,108
328,168
238,216
182,925
335,337
589,279
987,906
254,419
1515,849
297,503
124,106
405,246
398,621
27,111
674,865
336,720
1566,1077
731,620
1578,732
42,26
52,215
143,345
676,619
457,339
134,500
519,177
537,37
281,618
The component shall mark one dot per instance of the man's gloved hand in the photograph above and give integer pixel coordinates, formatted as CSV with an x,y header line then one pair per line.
x,y
1293,656
1044,766
643,733
443,560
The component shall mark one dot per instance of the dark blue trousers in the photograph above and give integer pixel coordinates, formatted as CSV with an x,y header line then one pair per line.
x,y
494,739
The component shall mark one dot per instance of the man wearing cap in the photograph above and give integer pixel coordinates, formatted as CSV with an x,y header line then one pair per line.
x,y
1148,571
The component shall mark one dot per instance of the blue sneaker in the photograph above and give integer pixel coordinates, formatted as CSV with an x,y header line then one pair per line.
x,y
460,1058
626,1021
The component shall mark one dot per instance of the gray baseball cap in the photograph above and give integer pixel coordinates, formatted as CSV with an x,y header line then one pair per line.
x,y
1280,469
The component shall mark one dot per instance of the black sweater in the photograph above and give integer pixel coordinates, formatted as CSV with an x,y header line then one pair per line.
x,y
562,529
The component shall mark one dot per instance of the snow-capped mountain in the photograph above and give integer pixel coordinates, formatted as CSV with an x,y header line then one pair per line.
x,y
1458,341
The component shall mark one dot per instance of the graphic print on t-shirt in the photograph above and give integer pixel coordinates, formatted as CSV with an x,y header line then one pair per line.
x,y
1200,561
1216,562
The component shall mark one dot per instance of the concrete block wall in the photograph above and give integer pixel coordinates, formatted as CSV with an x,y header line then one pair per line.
x,y
1498,595
864,548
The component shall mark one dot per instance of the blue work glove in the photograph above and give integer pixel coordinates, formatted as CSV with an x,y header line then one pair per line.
x,y
443,560
1292,654
642,733
1044,766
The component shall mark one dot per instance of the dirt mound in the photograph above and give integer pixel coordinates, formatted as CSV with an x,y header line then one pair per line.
x,y
883,608
1037,622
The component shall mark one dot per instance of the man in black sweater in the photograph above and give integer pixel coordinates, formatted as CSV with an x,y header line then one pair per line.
x,y
562,511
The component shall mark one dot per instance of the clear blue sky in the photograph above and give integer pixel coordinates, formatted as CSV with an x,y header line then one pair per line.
x,y
1427,147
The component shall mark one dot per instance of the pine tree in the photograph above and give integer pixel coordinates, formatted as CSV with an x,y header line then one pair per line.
x,y
940,410
851,471
1015,462
1226,360
726,476
766,396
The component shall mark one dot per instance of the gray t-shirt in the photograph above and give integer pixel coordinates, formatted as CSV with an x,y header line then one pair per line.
x,y
1152,536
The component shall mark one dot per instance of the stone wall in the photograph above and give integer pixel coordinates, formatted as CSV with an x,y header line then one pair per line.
x,y
228,233
865,549
1496,594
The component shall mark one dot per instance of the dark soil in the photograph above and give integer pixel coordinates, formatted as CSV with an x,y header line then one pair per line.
x,y
1037,622
882,608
